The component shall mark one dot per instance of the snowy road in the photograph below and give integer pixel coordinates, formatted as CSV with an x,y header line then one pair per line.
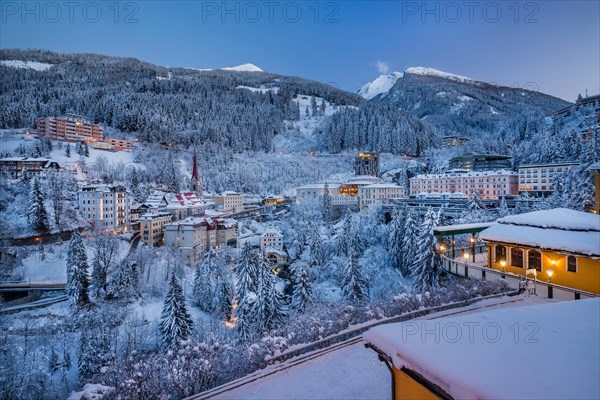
x,y
333,376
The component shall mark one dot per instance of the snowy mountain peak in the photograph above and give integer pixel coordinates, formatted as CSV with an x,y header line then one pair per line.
x,y
440,74
381,85
244,68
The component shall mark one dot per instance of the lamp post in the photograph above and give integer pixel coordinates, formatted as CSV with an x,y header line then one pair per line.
x,y
466,256
503,264
473,246
550,273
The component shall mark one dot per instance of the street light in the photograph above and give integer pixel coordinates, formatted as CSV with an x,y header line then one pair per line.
x,y
550,273
442,248
466,256
503,264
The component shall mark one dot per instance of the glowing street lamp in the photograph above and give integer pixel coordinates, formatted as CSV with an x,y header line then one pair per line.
x,y
503,265
466,256
550,273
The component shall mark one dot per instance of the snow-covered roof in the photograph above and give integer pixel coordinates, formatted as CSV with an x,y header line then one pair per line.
x,y
319,186
594,166
558,229
460,227
185,199
559,218
382,186
230,193
553,354
465,174
271,232
271,249
155,199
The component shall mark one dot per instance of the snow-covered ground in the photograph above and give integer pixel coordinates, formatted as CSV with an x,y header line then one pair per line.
x,y
37,66
381,85
353,372
261,89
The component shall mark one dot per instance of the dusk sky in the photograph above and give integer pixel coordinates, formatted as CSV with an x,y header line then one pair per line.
x,y
553,46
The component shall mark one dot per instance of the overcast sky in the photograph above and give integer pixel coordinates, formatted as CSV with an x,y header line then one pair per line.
x,y
553,46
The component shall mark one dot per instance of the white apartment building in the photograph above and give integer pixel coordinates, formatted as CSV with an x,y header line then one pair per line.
x,y
152,227
378,193
537,178
106,206
230,202
191,237
341,194
488,184
271,238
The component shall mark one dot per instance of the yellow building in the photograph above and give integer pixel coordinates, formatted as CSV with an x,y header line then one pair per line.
x,y
152,228
515,353
561,245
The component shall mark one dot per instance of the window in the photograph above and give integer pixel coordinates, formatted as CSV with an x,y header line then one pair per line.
x,y
516,258
535,260
500,253
572,264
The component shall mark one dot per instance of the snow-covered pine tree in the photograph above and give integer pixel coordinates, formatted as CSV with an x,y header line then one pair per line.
x,y
38,218
86,150
175,321
326,204
222,301
427,262
77,266
302,295
315,244
68,150
475,211
409,241
313,106
204,281
246,270
342,238
323,107
503,208
354,287
395,237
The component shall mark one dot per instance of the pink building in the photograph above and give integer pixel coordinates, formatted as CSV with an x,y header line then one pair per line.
x,y
488,184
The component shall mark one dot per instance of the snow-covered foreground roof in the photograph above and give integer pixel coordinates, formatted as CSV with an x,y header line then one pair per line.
x,y
558,218
550,351
558,229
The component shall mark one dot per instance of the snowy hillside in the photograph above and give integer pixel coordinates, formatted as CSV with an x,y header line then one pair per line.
x,y
37,66
381,85
244,68
439,74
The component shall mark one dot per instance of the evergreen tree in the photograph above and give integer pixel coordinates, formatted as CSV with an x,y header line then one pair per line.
x,y
268,307
86,150
68,150
317,254
224,294
427,262
503,208
302,295
204,281
323,107
342,248
396,237
354,286
124,282
326,204
77,266
246,289
409,241
175,321
246,272
313,106
38,218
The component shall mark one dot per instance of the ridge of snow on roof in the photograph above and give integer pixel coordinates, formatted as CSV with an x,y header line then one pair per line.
x,y
271,231
556,218
439,74
561,345
382,186
461,174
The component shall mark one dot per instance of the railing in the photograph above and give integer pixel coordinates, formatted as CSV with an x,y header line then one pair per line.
x,y
514,281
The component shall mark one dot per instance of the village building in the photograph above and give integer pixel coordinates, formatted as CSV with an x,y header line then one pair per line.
x,y
366,164
382,193
487,184
481,162
510,353
561,245
191,237
107,207
15,166
271,244
69,128
152,227
537,179
229,202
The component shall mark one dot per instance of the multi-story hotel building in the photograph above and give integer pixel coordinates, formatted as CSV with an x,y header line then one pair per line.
x,y
271,237
366,164
106,206
152,227
191,237
537,178
231,202
13,166
341,194
70,128
378,193
487,184
481,162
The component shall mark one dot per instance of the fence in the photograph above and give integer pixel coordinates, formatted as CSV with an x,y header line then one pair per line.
x,y
470,270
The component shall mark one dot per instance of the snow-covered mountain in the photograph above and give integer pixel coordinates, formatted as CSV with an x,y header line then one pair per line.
x,y
439,74
244,68
379,86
